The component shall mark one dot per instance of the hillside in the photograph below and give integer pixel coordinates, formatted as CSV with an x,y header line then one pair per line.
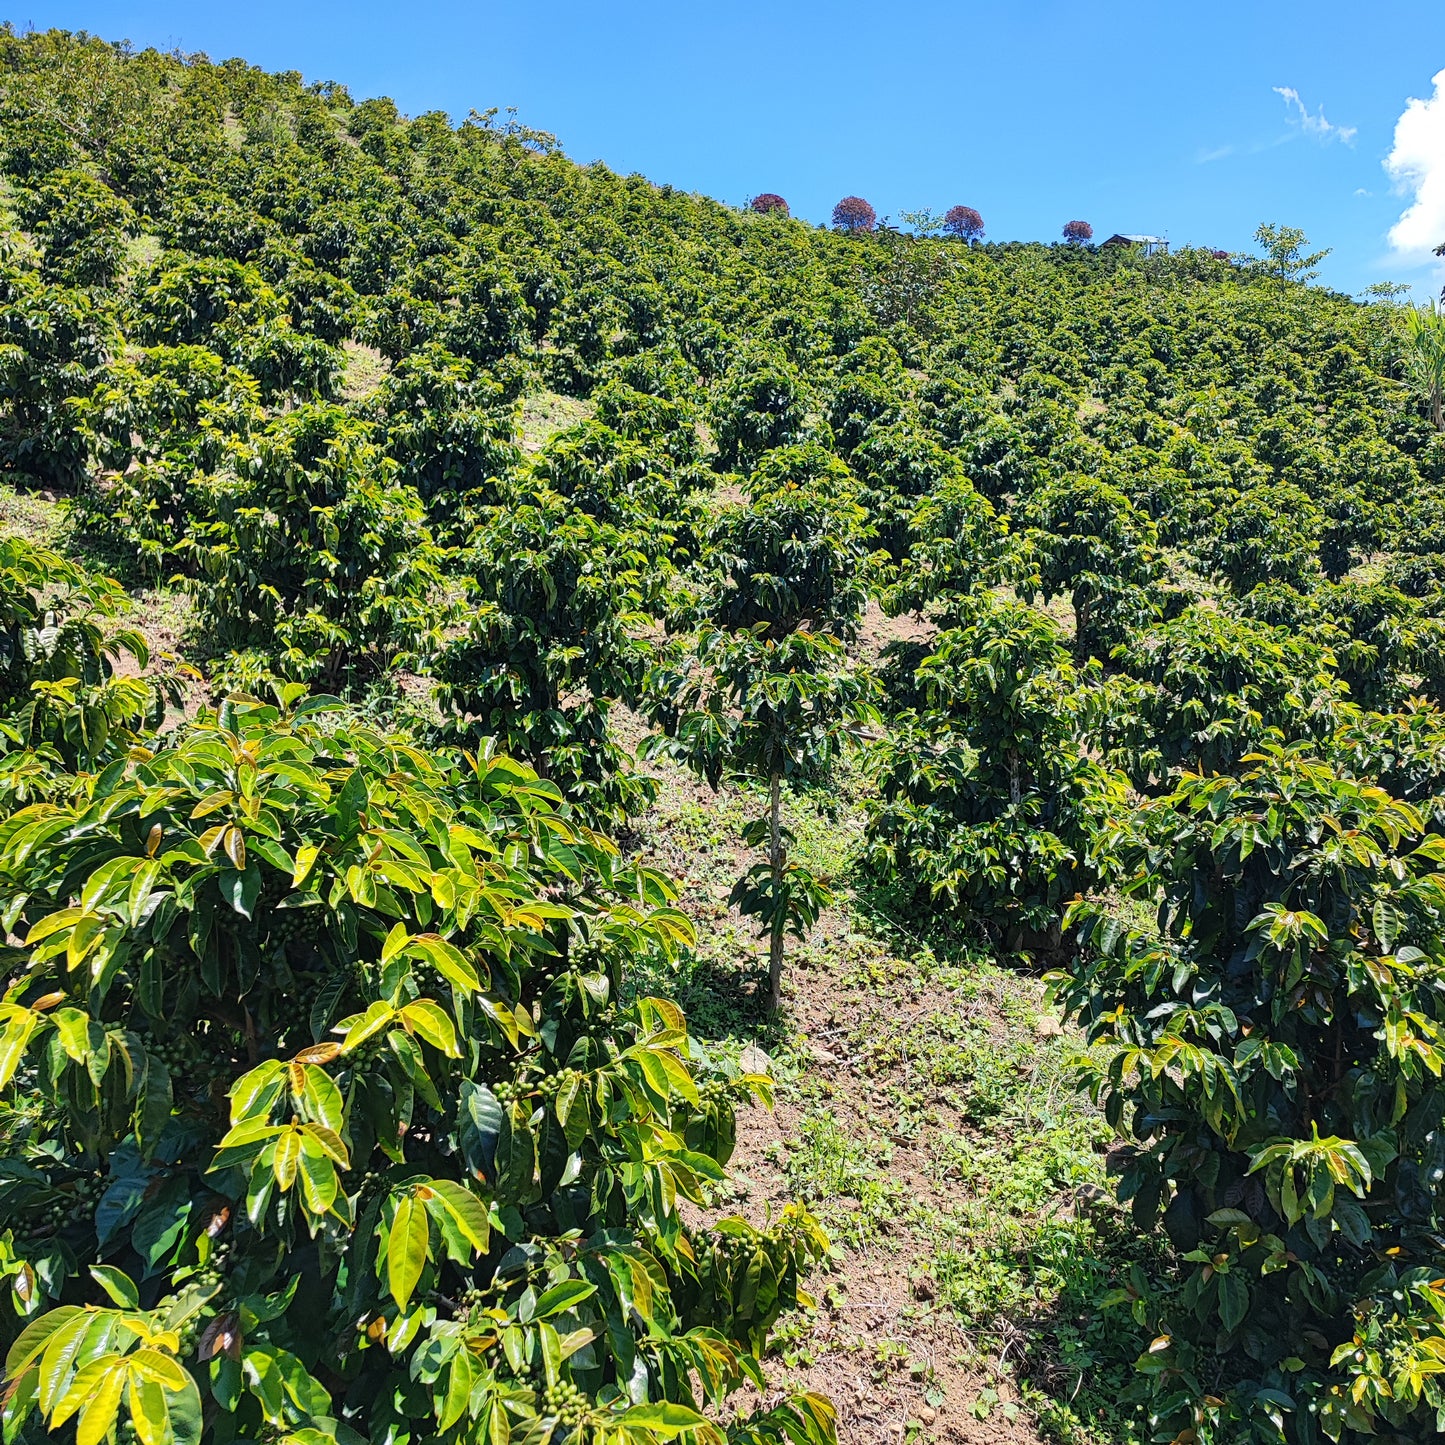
x,y
631,820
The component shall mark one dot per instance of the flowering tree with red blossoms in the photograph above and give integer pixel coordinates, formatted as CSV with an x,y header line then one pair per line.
x,y
768,202
963,222
1078,233
853,213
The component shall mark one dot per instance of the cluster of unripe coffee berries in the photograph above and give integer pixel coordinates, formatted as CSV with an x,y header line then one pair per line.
x,y
55,1215
286,924
550,1085
368,1051
177,1053
565,1402
213,1272
542,1086
730,1247
47,1220
371,1182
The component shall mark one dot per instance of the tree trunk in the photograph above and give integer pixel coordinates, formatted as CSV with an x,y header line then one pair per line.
x,y
1083,617
776,861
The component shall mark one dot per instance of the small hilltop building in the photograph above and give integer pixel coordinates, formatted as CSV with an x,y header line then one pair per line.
x,y
1150,245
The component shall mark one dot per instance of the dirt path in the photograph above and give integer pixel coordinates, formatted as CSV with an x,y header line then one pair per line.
x,y
923,1112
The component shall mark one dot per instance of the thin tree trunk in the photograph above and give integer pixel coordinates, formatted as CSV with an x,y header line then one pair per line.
x,y
776,861
1083,616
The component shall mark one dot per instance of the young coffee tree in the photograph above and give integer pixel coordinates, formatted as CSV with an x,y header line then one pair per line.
x,y
871,393
554,608
956,543
158,419
54,340
82,227
327,1120
1270,534
766,692
452,431
1091,543
987,801
1385,645
63,703
310,559
1207,688
761,403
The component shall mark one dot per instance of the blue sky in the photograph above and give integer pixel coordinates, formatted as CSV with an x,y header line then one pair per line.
x,y
1195,121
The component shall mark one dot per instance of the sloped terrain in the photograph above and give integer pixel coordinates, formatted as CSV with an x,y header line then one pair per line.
x,y
499,657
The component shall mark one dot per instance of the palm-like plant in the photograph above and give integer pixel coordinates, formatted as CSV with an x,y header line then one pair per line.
x,y
1425,355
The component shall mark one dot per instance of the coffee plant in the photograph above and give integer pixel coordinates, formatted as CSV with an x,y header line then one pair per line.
x,y
1270,1048
326,1115
766,692
987,800
554,599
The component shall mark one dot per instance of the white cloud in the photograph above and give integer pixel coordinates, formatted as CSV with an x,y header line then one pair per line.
x,y
1416,164
1313,123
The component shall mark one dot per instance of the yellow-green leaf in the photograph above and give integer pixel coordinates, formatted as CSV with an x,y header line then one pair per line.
x,y
408,1248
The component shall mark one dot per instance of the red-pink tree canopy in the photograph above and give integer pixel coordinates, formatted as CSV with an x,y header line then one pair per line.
x,y
963,222
853,213
767,202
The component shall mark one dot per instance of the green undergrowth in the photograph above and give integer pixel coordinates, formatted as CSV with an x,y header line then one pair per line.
x,y
546,413
29,515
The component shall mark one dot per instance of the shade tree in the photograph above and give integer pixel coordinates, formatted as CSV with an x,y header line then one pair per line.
x,y
853,215
1286,257
963,222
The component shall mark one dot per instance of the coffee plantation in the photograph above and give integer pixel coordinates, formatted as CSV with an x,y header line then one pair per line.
x,y
338,1103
